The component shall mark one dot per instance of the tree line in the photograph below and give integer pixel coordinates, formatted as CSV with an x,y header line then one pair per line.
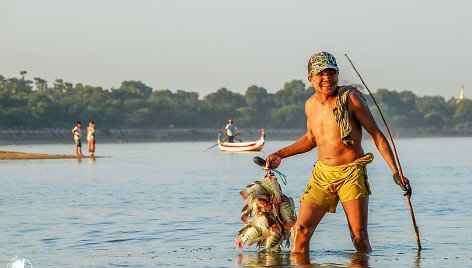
x,y
33,104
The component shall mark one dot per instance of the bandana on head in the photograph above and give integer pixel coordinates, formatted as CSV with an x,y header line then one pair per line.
x,y
322,61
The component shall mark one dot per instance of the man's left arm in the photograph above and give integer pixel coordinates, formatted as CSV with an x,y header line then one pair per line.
x,y
364,116
362,113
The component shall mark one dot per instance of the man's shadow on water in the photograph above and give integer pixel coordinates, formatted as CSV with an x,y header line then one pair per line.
x,y
287,259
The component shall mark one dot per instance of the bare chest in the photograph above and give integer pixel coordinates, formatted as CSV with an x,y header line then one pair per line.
x,y
321,118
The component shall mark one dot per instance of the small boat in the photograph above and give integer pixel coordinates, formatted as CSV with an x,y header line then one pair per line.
x,y
241,146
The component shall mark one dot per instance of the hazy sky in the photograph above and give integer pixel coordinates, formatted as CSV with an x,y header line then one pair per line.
x,y
203,45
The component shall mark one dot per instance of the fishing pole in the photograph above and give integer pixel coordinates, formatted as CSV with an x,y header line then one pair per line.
x,y
396,156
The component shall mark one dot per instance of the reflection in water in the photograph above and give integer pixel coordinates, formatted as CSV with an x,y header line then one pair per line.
x,y
90,160
417,260
302,260
359,260
286,259
264,259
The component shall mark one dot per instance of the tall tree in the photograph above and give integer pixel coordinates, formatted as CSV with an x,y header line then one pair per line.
x,y
293,93
220,106
132,89
259,105
41,84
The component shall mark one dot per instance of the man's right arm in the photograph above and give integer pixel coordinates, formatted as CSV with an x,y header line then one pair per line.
x,y
304,144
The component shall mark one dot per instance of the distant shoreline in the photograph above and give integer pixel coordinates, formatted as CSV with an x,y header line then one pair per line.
x,y
9,155
64,136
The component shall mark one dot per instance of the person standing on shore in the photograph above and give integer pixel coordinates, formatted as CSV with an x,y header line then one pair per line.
x,y
91,138
335,118
231,130
78,143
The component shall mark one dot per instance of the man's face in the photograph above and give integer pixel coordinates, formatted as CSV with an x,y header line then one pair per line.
x,y
325,82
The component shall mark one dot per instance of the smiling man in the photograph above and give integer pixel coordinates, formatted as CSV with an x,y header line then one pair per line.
x,y
335,118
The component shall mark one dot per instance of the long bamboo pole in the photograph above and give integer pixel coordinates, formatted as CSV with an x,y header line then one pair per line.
x,y
396,156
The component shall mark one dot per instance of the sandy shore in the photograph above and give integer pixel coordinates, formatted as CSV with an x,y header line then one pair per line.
x,y
7,155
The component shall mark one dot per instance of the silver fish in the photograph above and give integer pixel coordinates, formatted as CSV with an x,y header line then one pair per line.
x,y
254,207
261,223
256,190
288,215
249,234
277,236
273,187
254,231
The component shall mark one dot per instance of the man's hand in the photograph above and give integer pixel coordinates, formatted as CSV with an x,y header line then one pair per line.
x,y
406,188
272,161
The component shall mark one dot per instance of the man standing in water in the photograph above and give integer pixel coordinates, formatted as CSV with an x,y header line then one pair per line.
x,y
231,130
78,142
335,118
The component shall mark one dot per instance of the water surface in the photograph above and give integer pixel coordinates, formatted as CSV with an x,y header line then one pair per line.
x,y
172,204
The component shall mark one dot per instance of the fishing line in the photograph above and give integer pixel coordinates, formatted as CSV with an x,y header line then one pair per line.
x,y
282,177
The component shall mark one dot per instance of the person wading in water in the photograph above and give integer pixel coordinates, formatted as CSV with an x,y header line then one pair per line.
x,y
335,118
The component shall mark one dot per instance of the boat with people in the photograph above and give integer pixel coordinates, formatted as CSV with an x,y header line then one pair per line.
x,y
241,146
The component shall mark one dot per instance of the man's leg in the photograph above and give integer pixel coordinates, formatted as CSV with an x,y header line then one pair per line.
x,y
92,147
80,148
356,213
309,215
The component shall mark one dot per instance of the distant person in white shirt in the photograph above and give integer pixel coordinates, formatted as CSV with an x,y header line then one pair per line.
x,y
78,143
231,130
91,137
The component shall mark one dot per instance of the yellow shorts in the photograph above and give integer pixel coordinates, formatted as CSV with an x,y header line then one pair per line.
x,y
329,184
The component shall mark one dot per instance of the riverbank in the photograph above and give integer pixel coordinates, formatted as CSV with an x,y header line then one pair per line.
x,y
52,136
48,136
8,155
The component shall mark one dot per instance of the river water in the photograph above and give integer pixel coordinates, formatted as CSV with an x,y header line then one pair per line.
x,y
176,205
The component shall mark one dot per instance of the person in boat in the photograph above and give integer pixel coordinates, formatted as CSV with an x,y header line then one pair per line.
x,y
335,118
77,139
231,131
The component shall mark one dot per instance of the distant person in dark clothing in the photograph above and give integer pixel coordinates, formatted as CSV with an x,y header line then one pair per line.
x,y
231,130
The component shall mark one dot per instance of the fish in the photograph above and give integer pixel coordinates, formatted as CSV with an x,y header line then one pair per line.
x,y
256,190
269,216
277,236
254,207
273,187
287,215
261,223
254,231
249,234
